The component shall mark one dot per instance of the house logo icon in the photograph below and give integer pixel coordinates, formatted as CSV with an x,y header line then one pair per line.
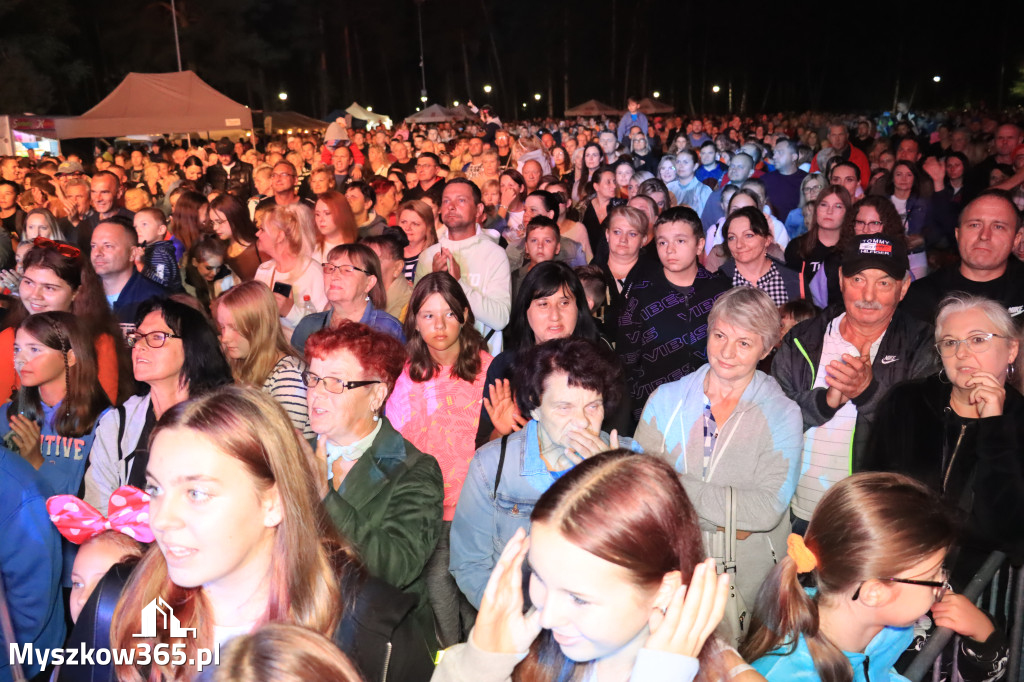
x,y
159,608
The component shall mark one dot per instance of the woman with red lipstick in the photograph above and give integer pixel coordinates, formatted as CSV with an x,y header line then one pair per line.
x,y
436,407
59,279
961,431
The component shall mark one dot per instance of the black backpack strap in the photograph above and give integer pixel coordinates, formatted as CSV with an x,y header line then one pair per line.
x,y
120,431
501,463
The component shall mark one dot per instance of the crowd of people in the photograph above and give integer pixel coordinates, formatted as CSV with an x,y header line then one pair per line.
x,y
642,398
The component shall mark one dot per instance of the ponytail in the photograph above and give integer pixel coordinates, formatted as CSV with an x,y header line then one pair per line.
x,y
784,612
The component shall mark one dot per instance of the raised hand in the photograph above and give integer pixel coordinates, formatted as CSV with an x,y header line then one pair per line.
x,y
501,626
693,613
502,409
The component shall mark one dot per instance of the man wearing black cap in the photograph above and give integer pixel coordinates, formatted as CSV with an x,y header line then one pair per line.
x,y
230,174
838,365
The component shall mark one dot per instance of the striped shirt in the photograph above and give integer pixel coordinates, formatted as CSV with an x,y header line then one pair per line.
x,y
286,387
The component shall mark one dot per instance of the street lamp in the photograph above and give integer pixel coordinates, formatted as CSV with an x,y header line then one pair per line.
x,y
423,69
369,108
524,105
455,103
283,96
656,94
715,89
536,96
937,79
487,89
423,97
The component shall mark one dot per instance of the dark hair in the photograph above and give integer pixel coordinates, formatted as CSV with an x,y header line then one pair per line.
x,y
595,507
390,242
124,224
542,222
602,170
545,279
586,364
550,200
915,190
842,163
594,282
811,240
799,309
681,214
758,224
866,526
421,364
432,156
478,197
892,225
205,367
369,194
85,399
517,178
243,230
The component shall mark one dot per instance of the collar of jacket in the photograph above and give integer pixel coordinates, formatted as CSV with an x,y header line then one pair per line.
x,y
373,470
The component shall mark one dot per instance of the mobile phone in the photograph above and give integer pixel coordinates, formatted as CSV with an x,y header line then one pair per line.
x,y
283,289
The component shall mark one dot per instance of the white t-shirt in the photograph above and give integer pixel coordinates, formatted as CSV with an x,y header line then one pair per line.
x,y
826,455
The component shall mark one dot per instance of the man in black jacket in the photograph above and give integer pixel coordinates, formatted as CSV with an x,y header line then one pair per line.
x,y
989,227
838,365
230,174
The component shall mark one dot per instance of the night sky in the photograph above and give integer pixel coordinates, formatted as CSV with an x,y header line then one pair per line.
x,y
64,56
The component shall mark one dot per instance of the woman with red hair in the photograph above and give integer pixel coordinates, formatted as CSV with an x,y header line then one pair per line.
x,y
383,494
335,224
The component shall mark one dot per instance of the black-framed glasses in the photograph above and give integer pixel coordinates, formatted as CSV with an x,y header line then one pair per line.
x,y
334,384
941,587
346,269
153,339
976,343
873,224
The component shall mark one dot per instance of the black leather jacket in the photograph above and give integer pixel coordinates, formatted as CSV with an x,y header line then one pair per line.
x,y
237,180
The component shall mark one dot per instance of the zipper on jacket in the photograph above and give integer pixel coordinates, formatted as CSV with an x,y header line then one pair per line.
x,y
952,458
799,347
387,663
867,671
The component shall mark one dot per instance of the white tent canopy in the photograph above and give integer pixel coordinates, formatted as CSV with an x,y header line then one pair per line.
x,y
155,103
435,113
356,110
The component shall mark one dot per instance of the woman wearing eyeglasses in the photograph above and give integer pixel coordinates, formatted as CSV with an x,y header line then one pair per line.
x,y
961,431
382,493
175,352
355,291
875,547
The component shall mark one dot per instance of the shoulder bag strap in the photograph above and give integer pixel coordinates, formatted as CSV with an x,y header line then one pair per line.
x,y
120,431
501,464
730,529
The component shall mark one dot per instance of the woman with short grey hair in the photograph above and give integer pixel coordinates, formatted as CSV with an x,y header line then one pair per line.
x,y
729,428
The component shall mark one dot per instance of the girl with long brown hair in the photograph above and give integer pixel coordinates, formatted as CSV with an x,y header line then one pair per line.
x,y
50,418
619,589
436,406
875,548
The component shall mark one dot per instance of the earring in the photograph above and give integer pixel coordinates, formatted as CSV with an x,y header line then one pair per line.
x,y
376,417
367,298
943,378
1010,371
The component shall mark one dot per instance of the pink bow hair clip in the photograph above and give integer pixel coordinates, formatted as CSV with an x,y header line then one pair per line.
x,y
78,521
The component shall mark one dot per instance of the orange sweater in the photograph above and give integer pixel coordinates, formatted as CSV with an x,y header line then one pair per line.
x,y
106,356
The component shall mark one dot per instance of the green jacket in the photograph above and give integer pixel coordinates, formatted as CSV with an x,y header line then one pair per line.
x,y
389,507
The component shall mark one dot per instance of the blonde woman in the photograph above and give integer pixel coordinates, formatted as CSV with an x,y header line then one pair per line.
x,y
257,351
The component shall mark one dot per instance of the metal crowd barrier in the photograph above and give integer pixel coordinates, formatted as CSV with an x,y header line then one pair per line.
x,y
998,589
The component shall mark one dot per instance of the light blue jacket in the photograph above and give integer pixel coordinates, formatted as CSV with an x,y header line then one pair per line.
x,y
874,665
757,454
485,522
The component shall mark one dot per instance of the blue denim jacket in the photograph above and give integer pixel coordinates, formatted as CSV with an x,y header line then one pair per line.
x,y
484,521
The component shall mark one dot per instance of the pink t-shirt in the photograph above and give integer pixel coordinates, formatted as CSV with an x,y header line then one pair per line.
x,y
440,417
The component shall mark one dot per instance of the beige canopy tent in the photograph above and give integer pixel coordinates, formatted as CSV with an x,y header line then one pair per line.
x,y
652,106
435,113
593,108
155,103
462,113
290,121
